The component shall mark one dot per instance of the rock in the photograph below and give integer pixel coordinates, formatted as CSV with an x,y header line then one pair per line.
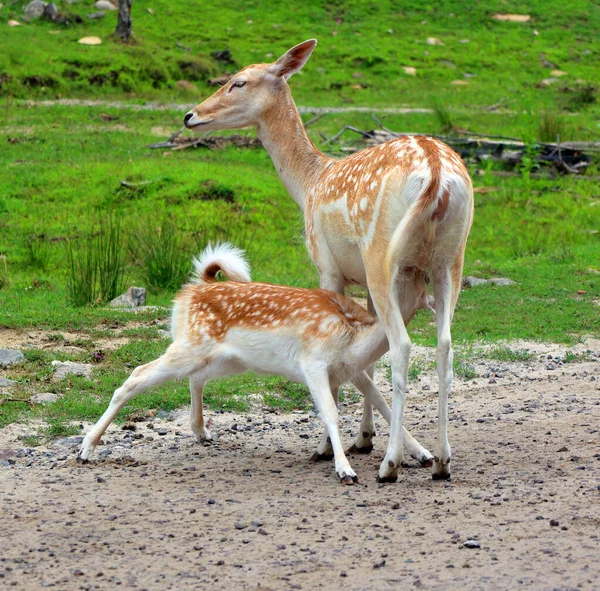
x,y
65,368
51,11
473,281
10,357
105,5
13,23
34,9
5,383
44,398
90,41
132,298
434,41
185,85
501,281
558,73
164,334
546,82
410,70
459,83
95,15
69,442
470,281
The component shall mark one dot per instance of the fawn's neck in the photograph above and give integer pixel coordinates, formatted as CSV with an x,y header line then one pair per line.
x,y
297,160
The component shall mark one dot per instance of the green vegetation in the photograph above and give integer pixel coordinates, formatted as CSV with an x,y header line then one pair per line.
x,y
69,168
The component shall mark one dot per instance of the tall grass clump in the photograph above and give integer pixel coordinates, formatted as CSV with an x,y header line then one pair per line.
x,y
38,251
551,127
95,266
443,117
3,271
163,253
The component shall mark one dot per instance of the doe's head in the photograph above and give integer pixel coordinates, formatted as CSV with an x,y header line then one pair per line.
x,y
249,94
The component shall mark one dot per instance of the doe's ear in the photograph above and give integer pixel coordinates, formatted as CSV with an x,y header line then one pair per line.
x,y
293,60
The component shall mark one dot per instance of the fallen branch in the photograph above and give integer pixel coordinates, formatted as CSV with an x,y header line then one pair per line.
x,y
315,119
349,128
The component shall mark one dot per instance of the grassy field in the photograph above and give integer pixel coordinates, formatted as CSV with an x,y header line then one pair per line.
x,y
64,168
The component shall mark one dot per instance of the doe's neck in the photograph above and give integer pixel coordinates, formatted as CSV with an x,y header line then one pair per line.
x,y
297,160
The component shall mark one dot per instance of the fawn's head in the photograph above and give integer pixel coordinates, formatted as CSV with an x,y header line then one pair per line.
x,y
249,94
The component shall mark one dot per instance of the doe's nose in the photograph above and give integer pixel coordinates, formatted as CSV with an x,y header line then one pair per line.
x,y
188,117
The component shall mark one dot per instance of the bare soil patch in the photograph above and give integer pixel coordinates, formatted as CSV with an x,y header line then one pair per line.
x,y
157,510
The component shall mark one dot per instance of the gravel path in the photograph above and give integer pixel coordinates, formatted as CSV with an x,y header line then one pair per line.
x,y
156,510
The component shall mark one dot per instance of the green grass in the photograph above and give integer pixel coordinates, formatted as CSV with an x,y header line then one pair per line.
x,y
363,47
63,166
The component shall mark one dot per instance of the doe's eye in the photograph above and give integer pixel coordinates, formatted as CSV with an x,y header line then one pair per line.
x,y
238,84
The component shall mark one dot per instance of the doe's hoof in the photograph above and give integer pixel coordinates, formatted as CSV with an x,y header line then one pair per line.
x,y
82,460
317,457
354,449
393,477
348,480
426,462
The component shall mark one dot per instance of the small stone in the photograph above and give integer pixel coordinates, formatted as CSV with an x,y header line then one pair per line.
x,y
96,15
554,523
501,281
472,544
92,40
69,442
211,501
105,5
100,480
263,532
162,431
51,11
459,83
34,9
65,368
473,281
6,383
240,526
44,398
409,70
10,357
13,23
433,41
132,298
515,18
379,564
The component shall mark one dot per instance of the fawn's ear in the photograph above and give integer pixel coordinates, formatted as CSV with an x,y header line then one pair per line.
x,y
293,60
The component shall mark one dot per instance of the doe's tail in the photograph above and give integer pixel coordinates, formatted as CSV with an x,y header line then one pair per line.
x,y
224,257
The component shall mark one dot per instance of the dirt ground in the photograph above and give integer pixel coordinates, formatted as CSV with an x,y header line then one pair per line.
x,y
156,510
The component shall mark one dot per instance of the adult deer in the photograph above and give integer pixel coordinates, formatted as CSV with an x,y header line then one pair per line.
x,y
387,217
